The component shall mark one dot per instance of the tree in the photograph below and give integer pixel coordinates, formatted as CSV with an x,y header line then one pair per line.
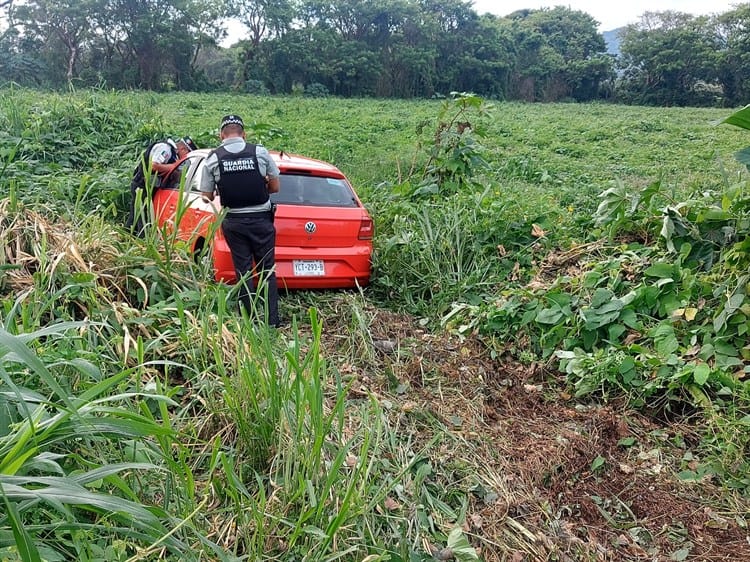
x,y
265,19
193,28
734,60
18,63
668,58
154,43
294,58
62,23
559,54
476,58
142,27
447,29
408,51
370,47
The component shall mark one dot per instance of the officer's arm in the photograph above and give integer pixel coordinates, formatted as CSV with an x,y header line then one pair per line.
x,y
273,184
272,171
161,168
208,179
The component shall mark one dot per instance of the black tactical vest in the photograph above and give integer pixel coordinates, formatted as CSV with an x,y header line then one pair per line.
x,y
240,183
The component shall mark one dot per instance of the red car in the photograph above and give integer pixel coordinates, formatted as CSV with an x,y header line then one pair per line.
x,y
323,232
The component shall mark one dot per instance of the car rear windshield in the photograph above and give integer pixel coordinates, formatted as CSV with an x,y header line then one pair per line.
x,y
314,190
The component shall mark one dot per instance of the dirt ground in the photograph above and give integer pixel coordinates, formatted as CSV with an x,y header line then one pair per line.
x,y
562,479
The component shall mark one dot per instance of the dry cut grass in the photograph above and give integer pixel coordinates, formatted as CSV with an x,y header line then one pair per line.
x,y
548,478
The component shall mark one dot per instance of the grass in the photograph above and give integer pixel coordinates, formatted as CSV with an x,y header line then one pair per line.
x,y
131,387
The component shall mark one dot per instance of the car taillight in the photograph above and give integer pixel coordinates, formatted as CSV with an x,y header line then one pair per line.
x,y
365,229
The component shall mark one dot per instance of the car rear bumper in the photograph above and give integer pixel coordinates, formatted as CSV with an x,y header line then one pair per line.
x,y
344,267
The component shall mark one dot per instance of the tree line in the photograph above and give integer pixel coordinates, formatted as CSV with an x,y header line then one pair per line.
x,y
379,48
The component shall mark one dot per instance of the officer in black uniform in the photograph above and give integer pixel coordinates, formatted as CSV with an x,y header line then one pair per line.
x,y
244,175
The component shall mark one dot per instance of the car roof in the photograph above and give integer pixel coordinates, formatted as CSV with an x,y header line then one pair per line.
x,y
294,163
290,163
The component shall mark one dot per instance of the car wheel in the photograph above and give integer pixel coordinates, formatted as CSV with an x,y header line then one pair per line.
x,y
198,250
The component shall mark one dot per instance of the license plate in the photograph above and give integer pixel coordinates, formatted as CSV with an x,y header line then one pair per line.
x,y
309,268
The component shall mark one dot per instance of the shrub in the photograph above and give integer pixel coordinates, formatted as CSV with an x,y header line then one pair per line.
x,y
316,90
256,87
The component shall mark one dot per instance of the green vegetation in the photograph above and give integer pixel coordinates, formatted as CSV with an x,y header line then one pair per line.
x,y
602,248
375,48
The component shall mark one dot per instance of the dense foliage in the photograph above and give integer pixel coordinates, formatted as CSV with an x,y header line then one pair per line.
x,y
141,418
357,48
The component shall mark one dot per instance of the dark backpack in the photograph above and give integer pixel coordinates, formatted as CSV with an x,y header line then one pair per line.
x,y
139,174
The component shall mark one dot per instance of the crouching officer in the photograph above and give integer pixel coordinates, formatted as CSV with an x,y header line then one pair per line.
x,y
244,175
157,162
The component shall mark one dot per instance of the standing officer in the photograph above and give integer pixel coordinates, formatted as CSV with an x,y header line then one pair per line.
x,y
244,175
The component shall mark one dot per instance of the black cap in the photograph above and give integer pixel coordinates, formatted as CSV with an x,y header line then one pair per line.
x,y
231,120
187,141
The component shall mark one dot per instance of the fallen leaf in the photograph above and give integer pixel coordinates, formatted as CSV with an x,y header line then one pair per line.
x,y
443,554
622,540
409,406
390,504
715,521
536,231
680,555
459,547
457,421
649,455
386,346
514,273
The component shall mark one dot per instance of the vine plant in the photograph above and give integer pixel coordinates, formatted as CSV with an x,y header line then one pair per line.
x,y
655,322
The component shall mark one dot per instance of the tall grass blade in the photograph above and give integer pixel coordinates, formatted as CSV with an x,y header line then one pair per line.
x,y
13,348
58,492
24,542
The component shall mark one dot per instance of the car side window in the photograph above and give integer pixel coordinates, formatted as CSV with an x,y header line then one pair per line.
x,y
196,174
314,190
185,171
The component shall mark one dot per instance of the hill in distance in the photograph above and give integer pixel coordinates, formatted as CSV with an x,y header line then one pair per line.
x,y
612,40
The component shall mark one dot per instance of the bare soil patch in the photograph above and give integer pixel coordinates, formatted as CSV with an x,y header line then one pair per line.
x,y
559,479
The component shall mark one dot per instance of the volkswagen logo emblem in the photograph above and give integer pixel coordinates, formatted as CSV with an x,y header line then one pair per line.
x,y
310,227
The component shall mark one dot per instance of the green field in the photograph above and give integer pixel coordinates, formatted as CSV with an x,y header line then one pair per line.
x,y
550,362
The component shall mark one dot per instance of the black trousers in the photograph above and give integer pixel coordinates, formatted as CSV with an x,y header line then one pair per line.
x,y
134,222
252,240
139,213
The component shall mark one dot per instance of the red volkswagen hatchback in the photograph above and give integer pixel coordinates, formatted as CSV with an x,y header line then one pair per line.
x,y
323,232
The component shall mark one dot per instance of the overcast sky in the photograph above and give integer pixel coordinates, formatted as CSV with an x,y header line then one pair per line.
x,y
610,14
